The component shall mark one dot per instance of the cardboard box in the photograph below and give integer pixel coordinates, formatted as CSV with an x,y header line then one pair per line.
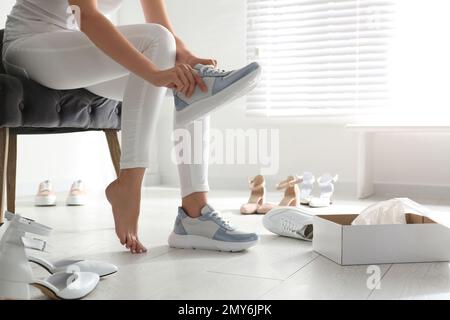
x,y
420,240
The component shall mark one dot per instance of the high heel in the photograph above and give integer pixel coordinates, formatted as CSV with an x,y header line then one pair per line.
x,y
326,185
16,274
291,193
257,188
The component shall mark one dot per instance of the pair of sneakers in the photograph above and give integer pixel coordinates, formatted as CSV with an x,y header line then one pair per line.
x,y
47,197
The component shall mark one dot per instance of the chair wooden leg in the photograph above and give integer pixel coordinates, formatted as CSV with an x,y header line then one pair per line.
x,y
11,172
4,132
114,148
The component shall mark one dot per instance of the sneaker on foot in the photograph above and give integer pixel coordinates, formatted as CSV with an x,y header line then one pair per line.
x,y
209,231
77,194
223,87
45,195
290,222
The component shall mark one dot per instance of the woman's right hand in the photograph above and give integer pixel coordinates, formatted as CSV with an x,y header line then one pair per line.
x,y
182,78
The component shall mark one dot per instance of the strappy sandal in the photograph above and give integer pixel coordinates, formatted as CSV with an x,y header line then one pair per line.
x,y
16,274
257,194
326,184
291,191
67,285
101,268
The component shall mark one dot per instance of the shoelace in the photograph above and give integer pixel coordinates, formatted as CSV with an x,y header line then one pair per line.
x,y
45,186
288,226
209,70
215,215
77,186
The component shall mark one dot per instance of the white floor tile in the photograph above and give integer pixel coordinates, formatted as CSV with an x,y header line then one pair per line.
x,y
415,281
324,279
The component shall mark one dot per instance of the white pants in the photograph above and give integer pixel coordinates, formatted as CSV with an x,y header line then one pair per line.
x,y
69,60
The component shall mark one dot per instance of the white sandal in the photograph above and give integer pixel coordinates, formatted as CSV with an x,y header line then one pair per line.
x,y
306,187
67,285
101,268
16,274
326,185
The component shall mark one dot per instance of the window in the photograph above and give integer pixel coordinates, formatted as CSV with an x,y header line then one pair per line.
x,y
319,57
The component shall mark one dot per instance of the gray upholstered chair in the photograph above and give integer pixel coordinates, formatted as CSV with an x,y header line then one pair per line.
x,y
27,107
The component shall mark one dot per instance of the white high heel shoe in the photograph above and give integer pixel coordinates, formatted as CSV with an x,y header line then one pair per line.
x,y
67,285
306,187
101,268
16,275
326,185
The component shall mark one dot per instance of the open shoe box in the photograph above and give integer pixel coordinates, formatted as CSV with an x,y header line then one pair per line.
x,y
420,240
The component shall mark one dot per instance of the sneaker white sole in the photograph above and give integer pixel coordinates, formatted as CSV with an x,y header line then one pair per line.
x,y
205,106
45,201
272,221
198,242
76,201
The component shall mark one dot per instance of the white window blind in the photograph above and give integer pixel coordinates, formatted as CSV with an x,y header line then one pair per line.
x,y
319,57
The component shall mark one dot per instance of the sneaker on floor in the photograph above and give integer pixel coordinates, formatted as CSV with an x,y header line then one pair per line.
x,y
290,222
45,195
209,231
223,87
77,194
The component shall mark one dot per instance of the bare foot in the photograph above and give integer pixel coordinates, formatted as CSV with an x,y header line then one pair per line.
x,y
125,202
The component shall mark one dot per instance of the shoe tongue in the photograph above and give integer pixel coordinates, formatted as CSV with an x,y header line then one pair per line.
x,y
206,209
198,66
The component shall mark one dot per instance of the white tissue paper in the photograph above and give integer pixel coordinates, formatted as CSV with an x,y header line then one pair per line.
x,y
393,212
385,212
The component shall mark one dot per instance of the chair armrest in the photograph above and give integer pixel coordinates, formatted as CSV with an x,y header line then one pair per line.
x,y
11,101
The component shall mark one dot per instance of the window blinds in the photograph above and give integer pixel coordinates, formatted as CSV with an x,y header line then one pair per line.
x,y
319,57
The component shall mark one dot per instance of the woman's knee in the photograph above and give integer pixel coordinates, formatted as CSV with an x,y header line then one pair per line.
x,y
160,45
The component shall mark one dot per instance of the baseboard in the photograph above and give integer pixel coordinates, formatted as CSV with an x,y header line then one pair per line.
x,y
343,188
29,188
395,190
346,189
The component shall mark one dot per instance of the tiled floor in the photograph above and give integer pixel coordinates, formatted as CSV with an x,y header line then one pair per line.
x,y
278,268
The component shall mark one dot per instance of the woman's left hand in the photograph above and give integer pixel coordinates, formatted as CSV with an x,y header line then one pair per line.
x,y
186,57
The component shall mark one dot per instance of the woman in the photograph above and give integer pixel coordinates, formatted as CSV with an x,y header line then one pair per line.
x,y
71,44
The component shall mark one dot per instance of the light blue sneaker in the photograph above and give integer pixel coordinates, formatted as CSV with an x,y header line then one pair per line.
x,y
223,87
209,231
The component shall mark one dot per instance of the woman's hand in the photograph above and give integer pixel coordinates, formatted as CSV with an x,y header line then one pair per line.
x,y
182,78
185,56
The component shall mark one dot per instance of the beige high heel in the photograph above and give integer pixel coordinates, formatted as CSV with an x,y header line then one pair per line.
x,y
291,193
257,188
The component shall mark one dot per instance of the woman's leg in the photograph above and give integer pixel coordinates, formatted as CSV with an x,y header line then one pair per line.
x,y
67,60
194,175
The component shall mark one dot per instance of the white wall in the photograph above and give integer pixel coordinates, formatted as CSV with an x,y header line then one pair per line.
x,y
217,29
61,158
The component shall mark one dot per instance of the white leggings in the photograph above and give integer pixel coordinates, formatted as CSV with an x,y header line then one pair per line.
x,y
69,60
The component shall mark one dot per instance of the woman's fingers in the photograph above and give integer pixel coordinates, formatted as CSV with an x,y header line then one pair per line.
x,y
185,82
201,84
191,78
184,79
207,62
